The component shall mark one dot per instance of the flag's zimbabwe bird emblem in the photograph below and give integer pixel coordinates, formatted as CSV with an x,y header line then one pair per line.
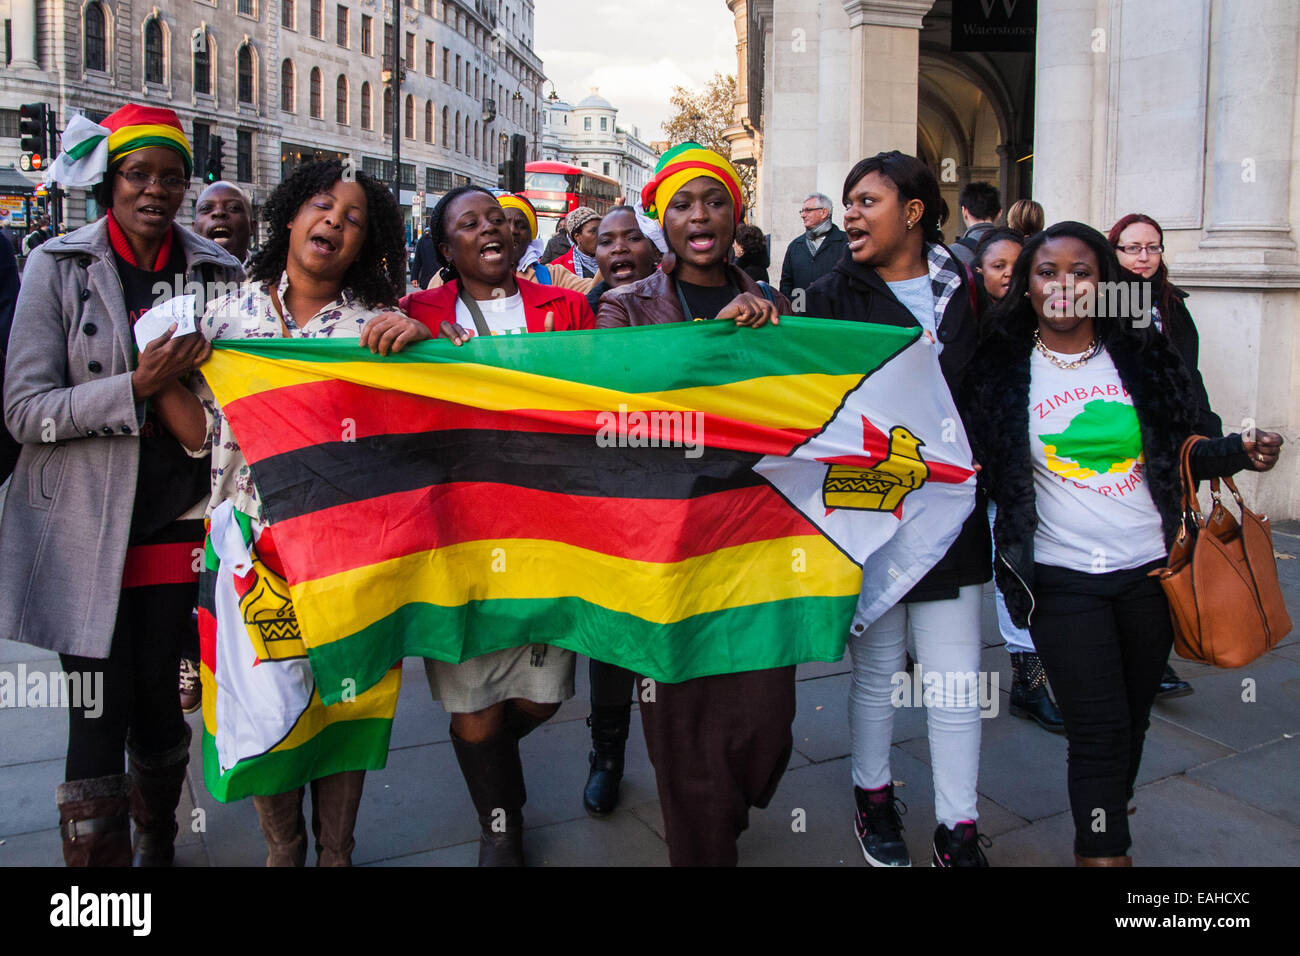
x,y
269,616
884,485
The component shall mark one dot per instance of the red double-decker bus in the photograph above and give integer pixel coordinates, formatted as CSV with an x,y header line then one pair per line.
x,y
556,189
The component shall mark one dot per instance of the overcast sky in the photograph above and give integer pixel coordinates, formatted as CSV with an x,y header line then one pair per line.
x,y
635,51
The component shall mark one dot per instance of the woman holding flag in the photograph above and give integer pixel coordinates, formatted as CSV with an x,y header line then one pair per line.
x,y
719,744
331,263
498,698
96,548
899,272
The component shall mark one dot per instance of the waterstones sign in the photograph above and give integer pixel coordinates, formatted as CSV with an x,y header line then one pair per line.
x,y
994,26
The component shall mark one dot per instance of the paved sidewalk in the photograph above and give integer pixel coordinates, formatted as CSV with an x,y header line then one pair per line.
x,y
1220,782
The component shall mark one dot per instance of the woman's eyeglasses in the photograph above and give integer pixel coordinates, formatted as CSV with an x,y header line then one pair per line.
x,y
1135,249
142,180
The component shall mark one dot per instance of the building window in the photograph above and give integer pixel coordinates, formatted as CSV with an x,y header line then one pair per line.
x,y
288,11
428,121
428,58
9,125
437,180
202,64
341,100
244,155
153,51
586,124
478,81
409,117
317,18
244,69
202,140
95,39
604,121
366,119
445,115
342,28
245,7
476,141
388,111
388,43
467,140
458,86
606,169
457,132
410,52
317,107
446,65
367,29
286,86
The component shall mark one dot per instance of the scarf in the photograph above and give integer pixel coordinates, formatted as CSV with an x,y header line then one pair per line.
x,y
587,264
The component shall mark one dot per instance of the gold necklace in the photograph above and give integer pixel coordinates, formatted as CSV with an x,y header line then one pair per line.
x,y
1055,359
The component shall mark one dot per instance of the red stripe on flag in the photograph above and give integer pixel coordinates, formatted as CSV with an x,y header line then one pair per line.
x,y
208,639
297,416
652,529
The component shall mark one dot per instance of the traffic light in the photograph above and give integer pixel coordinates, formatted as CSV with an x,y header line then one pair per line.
x,y
216,153
518,160
505,172
33,128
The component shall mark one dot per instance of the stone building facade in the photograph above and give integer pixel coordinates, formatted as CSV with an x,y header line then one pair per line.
x,y
285,80
1182,109
589,135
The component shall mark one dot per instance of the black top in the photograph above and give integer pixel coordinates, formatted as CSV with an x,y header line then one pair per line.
x,y
754,264
9,448
593,297
169,481
706,301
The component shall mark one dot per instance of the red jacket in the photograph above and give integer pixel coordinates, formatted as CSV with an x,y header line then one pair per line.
x,y
569,309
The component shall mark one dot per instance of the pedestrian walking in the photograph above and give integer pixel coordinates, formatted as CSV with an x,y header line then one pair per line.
x,y
816,252
719,744
98,537
899,272
1089,499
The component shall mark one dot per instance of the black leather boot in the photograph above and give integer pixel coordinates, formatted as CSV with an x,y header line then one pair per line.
x,y
495,778
609,726
1171,685
1029,696
157,780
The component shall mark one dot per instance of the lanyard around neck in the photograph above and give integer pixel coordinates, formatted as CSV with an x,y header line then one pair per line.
x,y
471,305
687,311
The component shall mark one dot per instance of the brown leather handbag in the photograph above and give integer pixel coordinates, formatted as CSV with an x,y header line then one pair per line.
x,y
1221,581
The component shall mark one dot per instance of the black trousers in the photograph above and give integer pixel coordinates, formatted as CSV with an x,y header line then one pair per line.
x,y
611,685
139,681
719,746
1103,640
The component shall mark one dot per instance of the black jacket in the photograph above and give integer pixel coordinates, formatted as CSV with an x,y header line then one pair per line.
x,y
755,265
426,260
801,268
995,406
856,292
1182,333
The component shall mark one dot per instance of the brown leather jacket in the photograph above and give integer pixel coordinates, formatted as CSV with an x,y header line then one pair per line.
x,y
653,300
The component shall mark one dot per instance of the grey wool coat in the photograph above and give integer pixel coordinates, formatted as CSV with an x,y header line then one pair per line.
x,y
68,399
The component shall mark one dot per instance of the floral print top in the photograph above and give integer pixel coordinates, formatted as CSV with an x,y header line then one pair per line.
x,y
250,313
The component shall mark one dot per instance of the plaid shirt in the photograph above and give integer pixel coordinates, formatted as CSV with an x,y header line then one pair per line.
x,y
946,274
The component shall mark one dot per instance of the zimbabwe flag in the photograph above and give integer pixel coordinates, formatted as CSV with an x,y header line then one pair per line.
x,y
681,500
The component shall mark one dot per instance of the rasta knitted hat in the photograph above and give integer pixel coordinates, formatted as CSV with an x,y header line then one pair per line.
x,y
511,201
89,148
679,166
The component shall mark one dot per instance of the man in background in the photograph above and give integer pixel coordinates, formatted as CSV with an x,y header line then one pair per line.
x,y
816,252
980,207
224,215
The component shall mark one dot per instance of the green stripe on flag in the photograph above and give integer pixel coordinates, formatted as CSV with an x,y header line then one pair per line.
x,y
753,637
647,358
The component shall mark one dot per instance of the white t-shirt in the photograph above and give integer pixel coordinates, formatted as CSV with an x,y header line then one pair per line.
x,y
1095,512
918,295
503,315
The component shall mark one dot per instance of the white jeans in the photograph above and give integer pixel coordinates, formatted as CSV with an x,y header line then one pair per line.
x,y
947,637
1017,639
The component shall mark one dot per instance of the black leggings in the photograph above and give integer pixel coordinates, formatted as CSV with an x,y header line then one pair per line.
x,y
1104,640
611,685
139,683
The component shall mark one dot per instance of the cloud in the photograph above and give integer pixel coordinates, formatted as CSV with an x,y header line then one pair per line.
x,y
635,52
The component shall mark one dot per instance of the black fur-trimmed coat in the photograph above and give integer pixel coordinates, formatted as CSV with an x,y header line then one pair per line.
x,y
995,406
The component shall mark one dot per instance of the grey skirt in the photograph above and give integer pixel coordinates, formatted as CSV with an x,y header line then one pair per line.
x,y
541,673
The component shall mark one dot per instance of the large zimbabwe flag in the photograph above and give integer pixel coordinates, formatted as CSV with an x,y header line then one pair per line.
x,y
681,500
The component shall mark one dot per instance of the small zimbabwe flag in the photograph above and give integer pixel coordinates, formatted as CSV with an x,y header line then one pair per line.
x,y
681,500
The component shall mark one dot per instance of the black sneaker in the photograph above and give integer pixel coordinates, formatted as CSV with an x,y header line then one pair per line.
x,y
879,828
1171,686
960,846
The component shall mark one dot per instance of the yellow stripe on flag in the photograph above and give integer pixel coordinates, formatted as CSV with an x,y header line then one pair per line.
x,y
755,573
774,401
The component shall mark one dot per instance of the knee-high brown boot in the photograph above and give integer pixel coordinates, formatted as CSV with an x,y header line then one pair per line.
x,y
334,802
95,821
284,828
157,780
495,778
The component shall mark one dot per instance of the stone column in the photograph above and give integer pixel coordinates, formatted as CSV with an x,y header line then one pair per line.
x,y
23,31
1254,50
884,50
